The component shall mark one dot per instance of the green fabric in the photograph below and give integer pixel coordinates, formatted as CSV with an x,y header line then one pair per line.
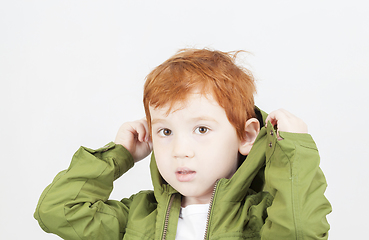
x,y
290,204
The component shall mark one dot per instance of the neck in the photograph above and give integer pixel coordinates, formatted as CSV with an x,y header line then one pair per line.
x,y
195,200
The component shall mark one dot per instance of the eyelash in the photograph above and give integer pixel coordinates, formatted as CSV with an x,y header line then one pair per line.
x,y
197,130
161,132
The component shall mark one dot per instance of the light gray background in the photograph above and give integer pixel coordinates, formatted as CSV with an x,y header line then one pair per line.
x,y
72,72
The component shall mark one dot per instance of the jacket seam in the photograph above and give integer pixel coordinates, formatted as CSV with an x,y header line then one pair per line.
x,y
295,181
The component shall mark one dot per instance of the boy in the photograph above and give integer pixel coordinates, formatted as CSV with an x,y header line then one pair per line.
x,y
201,124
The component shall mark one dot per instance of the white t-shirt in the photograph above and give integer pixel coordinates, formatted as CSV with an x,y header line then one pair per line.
x,y
192,222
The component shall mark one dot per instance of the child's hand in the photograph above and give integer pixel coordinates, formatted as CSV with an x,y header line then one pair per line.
x,y
286,122
135,137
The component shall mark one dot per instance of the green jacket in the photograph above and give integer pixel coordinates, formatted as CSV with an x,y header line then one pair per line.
x,y
277,193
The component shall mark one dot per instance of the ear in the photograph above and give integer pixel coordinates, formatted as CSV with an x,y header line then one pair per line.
x,y
252,128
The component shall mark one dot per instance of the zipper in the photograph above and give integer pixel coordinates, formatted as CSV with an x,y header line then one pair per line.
x,y
167,217
210,206
166,222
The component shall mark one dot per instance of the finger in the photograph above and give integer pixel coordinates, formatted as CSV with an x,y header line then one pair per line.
x,y
149,142
139,130
273,117
147,130
279,114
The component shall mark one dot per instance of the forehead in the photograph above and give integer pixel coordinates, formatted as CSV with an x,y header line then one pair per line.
x,y
196,104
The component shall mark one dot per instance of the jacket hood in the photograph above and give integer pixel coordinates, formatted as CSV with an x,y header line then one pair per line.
x,y
249,177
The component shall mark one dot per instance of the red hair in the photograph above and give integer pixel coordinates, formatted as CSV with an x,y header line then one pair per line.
x,y
209,72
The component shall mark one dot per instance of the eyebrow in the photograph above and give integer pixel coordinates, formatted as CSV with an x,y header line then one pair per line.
x,y
157,120
202,118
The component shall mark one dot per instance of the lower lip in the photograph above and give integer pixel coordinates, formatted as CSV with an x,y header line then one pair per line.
x,y
185,177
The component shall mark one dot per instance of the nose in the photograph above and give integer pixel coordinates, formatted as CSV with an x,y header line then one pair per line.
x,y
182,147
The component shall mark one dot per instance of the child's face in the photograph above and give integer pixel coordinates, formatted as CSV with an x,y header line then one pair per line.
x,y
194,146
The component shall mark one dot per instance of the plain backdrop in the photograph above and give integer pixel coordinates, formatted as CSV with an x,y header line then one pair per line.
x,y
73,71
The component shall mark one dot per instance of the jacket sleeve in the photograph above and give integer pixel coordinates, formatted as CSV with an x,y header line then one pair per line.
x,y
76,206
296,182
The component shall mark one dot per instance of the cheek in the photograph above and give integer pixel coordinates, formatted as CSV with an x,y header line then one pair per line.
x,y
161,156
222,156
157,146
163,167
226,146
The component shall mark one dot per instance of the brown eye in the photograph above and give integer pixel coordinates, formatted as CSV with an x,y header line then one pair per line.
x,y
165,132
202,130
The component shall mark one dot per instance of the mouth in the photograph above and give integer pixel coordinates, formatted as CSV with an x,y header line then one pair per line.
x,y
185,172
185,175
